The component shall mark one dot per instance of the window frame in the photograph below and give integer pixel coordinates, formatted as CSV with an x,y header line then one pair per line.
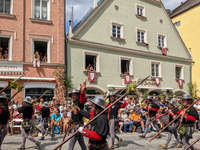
x,y
48,48
121,29
10,37
145,34
140,6
130,64
11,8
165,40
160,69
182,72
48,10
92,54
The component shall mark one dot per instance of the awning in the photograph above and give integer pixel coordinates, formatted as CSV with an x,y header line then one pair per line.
x,y
141,87
27,78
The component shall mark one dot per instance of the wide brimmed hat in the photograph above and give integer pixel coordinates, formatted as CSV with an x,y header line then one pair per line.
x,y
111,94
45,104
99,100
187,97
73,91
27,99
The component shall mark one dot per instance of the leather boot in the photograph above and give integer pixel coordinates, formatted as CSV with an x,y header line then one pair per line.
x,y
164,146
142,136
111,147
21,148
120,140
178,146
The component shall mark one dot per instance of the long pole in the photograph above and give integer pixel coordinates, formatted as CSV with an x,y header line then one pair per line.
x,y
172,121
97,116
5,88
162,115
193,143
39,97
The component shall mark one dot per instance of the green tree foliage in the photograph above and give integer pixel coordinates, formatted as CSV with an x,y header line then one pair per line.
x,y
144,93
63,78
192,89
170,94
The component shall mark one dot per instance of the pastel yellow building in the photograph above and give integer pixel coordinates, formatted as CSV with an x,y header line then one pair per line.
x,y
187,21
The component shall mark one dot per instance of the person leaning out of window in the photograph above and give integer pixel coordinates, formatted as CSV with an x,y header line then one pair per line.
x,y
36,59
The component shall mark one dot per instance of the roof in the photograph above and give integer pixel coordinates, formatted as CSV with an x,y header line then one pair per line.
x,y
89,13
184,7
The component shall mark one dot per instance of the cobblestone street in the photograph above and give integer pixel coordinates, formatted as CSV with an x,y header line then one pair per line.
x,y
130,142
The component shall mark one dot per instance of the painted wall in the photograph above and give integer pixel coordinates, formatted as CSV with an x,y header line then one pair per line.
x,y
99,28
190,31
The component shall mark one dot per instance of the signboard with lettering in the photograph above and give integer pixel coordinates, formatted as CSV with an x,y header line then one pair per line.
x,y
11,68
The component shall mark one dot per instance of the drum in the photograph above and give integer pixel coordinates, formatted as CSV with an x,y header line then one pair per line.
x,y
164,119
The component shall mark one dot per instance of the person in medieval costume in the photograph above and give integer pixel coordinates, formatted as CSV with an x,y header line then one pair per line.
x,y
27,110
45,119
4,117
97,137
187,121
76,121
172,129
151,109
112,114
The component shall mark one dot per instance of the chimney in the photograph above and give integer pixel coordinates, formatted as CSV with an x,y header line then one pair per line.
x,y
95,4
70,29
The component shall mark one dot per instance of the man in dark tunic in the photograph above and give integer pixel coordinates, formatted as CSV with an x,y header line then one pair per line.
x,y
4,117
77,119
97,137
45,119
152,109
112,114
187,121
27,110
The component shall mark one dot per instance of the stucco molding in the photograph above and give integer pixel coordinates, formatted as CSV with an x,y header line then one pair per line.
x,y
40,85
180,90
126,50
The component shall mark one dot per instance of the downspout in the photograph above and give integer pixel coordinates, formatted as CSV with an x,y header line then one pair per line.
x,y
65,39
24,34
192,64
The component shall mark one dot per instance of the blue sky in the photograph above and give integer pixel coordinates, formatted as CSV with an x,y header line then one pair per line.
x,y
82,6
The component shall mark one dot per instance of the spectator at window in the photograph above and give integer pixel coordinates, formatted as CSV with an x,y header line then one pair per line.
x,y
5,55
126,121
1,56
91,69
44,59
56,120
135,117
41,57
1,49
126,72
36,59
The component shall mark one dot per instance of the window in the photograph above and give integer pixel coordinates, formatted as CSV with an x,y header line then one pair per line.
x,y
161,41
116,31
41,48
4,47
90,64
125,66
37,92
179,72
41,9
140,36
155,69
5,6
140,11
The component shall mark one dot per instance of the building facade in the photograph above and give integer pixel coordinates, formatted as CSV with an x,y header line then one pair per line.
x,y
28,27
185,18
127,41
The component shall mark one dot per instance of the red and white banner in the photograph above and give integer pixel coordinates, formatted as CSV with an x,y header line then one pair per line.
x,y
92,77
180,82
127,79
157,80
164,51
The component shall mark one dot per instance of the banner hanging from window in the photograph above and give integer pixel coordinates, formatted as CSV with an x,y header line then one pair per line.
x,y
164,51
92,77
157,80
127,79
180,82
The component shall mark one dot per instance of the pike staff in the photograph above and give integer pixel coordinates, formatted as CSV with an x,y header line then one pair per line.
x,y
98,115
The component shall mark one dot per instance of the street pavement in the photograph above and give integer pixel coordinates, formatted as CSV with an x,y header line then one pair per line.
x,y
131,141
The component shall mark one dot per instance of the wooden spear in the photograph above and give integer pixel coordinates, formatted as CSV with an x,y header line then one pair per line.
x,y
172,121
193,143
63,142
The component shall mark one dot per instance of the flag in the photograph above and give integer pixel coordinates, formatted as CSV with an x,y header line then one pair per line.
x,y
127,79
164,51
180,82
157,80
92,77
